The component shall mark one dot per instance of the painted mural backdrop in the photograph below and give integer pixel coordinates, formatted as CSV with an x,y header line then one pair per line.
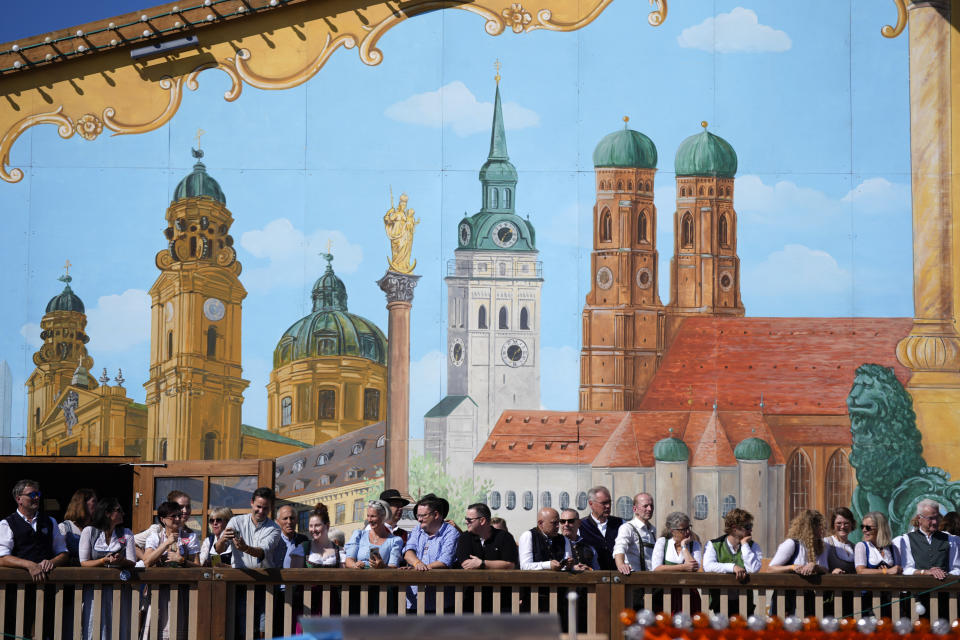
x,y
636,245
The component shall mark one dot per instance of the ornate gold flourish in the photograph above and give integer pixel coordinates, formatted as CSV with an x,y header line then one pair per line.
x,y
174,86
88,126
658,15
64,129
892,32
347,41
517,17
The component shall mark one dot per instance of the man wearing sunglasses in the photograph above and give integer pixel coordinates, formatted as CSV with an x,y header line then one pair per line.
x,y
583,555
600,528
930,552
482,546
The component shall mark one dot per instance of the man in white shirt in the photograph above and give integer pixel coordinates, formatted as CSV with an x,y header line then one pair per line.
x,y
927,551
543,548
633,550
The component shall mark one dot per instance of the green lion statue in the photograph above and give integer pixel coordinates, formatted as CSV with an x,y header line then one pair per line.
x,y
887,453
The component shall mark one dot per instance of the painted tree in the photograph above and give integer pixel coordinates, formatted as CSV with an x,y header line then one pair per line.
x,y
426,476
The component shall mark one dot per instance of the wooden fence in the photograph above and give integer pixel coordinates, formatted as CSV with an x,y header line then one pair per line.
x,y
209,604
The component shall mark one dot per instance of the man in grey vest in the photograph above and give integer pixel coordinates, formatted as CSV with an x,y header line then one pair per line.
x,y
927,551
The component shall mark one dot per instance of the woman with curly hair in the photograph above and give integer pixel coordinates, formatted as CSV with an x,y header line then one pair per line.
x,y
79,515
803,551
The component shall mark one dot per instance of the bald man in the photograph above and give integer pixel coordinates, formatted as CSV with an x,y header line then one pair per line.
x,y
543,548
633,550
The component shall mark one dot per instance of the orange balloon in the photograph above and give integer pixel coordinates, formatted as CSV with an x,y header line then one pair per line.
x,y
628,617
810,623
737,621
847,624
774,624
921,625
701,620
663,620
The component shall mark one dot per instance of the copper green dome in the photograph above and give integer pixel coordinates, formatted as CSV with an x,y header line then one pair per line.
x,y
199,184
753,449
626,148
671,450
705,154
330,330
67,300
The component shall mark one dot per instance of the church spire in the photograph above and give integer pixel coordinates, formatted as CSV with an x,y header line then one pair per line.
x,y
498,176
498,137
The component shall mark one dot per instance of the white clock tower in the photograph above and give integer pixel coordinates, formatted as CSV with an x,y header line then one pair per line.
x,y
493,323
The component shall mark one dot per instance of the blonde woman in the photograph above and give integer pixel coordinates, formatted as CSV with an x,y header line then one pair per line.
x,y
803,551
876,552
217,520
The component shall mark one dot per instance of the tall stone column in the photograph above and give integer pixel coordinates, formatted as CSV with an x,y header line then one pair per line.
x,y
932,349
399,289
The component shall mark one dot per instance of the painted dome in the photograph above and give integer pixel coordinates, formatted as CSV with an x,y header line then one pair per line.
x,y
753,449
705,154
199,184
671,450
330,330
626,148
67,300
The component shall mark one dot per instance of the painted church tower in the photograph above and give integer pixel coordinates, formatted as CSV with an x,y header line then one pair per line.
x,y
705,269
195,390
493,297
623,318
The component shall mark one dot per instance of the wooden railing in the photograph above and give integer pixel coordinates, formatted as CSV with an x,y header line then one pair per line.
x,y
227,603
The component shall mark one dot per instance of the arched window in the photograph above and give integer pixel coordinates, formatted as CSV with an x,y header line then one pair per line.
x,y
502,321
371,404
503,269
625,508
327,403
606,226
169,344
286,411
728,191
729,504
482,318
494,500
545,500
582,500
686,235
564,500
163,449
619,185
506,198
711,191
642,227
493,197
700,507
838,487
211,341
648,185
528,500
629,185
701,190
210,446
524,319
722,231
683,191
798,484
511,500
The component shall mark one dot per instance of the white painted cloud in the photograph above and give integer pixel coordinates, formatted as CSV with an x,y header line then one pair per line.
x,y
119,322
874,196
454,105
31,333
797,269
427,386
879,196
290,252
739,31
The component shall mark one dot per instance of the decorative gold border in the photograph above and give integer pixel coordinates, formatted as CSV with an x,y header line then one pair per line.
x,y
237,67
892,32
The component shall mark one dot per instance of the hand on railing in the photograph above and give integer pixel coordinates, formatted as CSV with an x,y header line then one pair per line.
x,y
622,566
740,573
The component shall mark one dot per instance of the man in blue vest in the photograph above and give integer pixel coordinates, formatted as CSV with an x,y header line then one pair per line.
x,y
927,551
31,541
599,529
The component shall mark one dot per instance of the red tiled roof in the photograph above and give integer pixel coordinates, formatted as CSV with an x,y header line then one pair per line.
x,y
801,365
549,437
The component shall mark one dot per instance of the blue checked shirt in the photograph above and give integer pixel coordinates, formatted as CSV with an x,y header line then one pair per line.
x,y
441,546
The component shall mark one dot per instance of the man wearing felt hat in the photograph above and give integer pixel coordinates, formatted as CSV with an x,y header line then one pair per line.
x,y
397,502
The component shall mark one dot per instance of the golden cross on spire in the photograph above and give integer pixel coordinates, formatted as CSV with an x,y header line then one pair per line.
x,y
497,66
329,244
200,133
66,267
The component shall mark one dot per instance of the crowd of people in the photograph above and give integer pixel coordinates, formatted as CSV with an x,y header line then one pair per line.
x,y
92,535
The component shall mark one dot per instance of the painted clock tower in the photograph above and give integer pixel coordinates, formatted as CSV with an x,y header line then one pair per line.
x,y
493,298
195,390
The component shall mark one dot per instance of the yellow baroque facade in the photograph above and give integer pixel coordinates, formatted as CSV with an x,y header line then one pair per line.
x,y
329,374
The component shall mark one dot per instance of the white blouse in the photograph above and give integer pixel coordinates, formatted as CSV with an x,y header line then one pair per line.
x,y
94,545
867,551
787,549
664,552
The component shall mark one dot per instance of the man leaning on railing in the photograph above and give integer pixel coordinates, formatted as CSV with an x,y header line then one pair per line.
x,y
929,552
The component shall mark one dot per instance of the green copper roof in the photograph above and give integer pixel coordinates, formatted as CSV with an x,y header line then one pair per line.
x,y
497,232
446,406
199,184
330,330
705,154
753,449
67,300
263,434
671,450
497,175
626,148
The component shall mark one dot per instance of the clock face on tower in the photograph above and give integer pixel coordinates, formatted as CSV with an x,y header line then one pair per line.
x,y
464,234
456,352
504,234
213,309
514,352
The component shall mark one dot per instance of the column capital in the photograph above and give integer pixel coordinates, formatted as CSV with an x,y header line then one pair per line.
x,y
398,286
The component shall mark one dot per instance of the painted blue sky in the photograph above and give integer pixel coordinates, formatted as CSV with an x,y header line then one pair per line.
x,y
810,95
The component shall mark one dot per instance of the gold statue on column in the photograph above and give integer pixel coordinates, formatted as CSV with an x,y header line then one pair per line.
x,y
400,223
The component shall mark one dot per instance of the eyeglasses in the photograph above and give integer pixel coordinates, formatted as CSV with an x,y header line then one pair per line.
x,y
176,516
605,503
681,529
568,520
212,520
866,527
931,518
471,520
748,526
423,516
33,495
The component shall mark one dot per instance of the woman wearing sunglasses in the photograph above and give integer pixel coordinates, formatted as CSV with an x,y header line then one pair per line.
x,y
876,553
106,543
219,518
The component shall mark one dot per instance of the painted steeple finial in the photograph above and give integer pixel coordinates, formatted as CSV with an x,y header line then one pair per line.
x,y
497,65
